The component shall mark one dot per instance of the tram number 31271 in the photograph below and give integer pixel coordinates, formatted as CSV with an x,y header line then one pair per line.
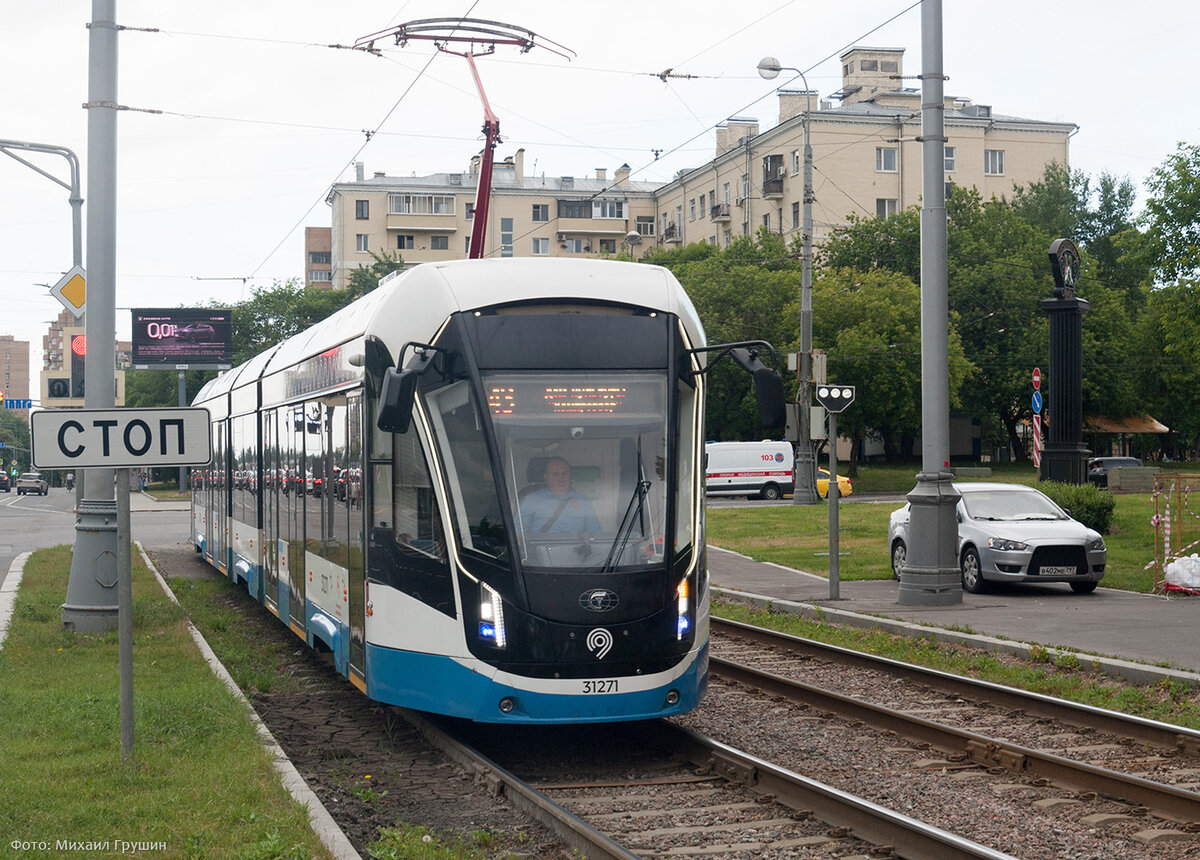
x,y
606,685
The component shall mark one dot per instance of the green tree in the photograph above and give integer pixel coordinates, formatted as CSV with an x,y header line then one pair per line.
x,y
14,433
1172,215
869,322
362,280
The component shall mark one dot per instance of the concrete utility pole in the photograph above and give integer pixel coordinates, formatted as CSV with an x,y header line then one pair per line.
x,y
91,605
931,575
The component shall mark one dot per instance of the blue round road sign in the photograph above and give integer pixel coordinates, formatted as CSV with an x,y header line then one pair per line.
x,y
1037,401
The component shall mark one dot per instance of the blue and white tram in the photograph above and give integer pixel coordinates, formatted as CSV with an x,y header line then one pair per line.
x,y
381,483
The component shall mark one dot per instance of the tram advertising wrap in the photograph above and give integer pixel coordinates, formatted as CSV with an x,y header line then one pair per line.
x,y
478,490
182,336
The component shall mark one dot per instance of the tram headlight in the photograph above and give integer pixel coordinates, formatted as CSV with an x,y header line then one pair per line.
x,y
682,625
491,616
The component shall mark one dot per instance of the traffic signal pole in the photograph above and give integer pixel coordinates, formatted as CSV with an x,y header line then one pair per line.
x,y
91,605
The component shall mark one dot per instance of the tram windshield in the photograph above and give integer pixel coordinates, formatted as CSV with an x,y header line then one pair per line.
x,y
584,457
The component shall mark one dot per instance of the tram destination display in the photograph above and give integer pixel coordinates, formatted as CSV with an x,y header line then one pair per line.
x,y
182,337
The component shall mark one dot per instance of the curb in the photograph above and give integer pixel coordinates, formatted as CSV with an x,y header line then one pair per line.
x,y
331,836
1138,673
8,593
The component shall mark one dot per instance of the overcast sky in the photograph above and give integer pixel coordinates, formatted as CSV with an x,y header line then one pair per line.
x,y
259,117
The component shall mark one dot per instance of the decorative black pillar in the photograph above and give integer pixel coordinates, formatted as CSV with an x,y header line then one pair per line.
x,y
1065,457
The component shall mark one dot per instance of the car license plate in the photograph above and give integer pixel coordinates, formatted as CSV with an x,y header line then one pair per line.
x,y
1057,570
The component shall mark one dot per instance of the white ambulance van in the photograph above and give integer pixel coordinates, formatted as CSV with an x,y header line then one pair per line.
x,y
753,469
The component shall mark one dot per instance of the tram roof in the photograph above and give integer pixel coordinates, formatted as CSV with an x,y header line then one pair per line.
x,y
414,304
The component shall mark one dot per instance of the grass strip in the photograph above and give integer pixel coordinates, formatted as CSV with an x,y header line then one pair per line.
x,y
201,783
1065,678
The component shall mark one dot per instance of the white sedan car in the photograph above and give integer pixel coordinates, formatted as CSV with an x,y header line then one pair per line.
x,y
1013,533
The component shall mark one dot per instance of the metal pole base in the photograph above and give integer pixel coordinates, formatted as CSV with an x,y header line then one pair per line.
x,y
931,575
91,605
804,491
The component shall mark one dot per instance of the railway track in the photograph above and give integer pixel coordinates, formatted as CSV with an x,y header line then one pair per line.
x,y
659,790
1091,753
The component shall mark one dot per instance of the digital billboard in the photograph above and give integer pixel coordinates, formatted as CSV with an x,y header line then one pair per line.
x,y
178,337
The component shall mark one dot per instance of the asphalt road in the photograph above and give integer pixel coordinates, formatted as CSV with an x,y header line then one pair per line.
x,y
33,522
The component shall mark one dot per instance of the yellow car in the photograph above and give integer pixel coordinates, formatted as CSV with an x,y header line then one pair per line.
x,y
845,488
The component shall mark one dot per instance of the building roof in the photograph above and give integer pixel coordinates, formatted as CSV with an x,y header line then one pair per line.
x,y
506,179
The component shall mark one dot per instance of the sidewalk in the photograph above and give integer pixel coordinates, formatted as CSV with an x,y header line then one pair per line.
x,y
1131,627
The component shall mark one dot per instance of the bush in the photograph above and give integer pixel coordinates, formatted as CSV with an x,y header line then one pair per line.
x,y
1087,503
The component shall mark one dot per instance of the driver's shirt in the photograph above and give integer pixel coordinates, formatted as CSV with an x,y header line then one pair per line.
x,y
577,514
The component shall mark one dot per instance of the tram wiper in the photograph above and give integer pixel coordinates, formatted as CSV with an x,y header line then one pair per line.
x,y
633,515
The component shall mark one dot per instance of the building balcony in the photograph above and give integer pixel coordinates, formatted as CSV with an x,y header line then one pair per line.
x,y
672,235
720,212
772,189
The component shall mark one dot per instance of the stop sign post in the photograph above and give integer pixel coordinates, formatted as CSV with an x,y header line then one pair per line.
x,y
834,398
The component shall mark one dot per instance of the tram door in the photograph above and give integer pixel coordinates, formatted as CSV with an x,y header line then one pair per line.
x,y
297,498
221,498
354,500
209,496
270,493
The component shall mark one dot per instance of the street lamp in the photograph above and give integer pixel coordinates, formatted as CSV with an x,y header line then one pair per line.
x,y
805,492
633,238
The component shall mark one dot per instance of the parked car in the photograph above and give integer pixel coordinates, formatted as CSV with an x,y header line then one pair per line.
x,y
845,488
5,482
1013,533
32,482
1099,467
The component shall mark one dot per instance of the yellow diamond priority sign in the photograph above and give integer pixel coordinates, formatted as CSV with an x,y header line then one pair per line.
x,y
71,290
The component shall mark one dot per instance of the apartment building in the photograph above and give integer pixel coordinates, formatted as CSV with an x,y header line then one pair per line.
x,y
866,162
866,157
427,218
318,257
15,367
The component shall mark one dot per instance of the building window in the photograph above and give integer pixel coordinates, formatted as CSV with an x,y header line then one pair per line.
x,y
608,209
645,225
574,209
692,209
405,243
362,243
869,65
319,276
725,193
886,207
745,185
993,162
608,246
949,156
885,159
541,211
420,204
506,237
362,209
796,215
574,246
439,243
795,161
318,258
702,208
541,247
469,212
767,221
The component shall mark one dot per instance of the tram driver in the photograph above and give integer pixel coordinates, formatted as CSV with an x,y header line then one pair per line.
x,y
556,508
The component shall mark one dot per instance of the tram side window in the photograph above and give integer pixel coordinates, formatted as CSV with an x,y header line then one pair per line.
x,y
688,420
407,540
459,427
